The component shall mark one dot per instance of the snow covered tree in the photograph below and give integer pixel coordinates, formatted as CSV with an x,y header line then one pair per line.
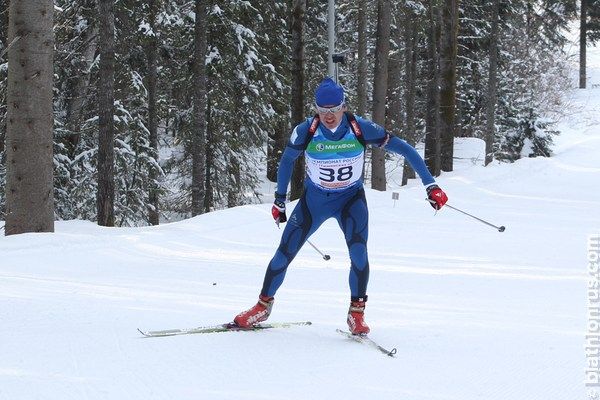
x,y
533,71
589,31
249,75
593,21
76,139
76,66
198,142
242,85
275,43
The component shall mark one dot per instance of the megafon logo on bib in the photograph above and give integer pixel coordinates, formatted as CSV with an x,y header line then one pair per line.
x,y
320,147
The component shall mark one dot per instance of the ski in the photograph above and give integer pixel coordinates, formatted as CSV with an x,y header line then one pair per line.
x,y
368,341
229,327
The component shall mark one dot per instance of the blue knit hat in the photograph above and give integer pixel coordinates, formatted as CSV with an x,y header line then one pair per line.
x,y
329,93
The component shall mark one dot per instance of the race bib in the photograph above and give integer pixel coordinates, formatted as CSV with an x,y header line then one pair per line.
x,y
334,165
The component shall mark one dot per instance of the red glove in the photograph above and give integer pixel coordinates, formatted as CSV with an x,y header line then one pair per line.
x,y
278,212
436,196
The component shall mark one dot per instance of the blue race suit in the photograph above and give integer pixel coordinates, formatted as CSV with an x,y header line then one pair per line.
x,y
333,189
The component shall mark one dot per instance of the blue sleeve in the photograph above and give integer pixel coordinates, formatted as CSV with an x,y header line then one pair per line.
x,y
377,136
294,148
399,146
372,133
286,167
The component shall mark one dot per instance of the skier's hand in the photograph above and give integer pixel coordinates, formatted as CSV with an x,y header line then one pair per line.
x,y
278,211
436,196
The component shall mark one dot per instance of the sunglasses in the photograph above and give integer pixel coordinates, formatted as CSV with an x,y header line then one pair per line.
x,y
333,110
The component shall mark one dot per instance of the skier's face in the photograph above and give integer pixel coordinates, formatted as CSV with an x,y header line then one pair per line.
x,y
331,116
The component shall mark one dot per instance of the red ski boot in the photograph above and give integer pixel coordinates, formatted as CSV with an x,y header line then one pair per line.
x,y
356,318
259,313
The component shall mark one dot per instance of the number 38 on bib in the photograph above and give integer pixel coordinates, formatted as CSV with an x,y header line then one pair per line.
x,y
337,164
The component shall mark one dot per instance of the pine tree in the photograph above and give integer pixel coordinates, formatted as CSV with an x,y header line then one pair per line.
x,y
472,66
593,22
589,30
529,47
532,72
275,39
249,77
75,114
199,160
242,86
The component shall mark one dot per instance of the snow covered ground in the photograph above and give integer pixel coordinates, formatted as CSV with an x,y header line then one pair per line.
x,y
474,313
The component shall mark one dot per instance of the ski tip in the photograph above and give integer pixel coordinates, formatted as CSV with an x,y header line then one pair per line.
x,y
231,325
142,332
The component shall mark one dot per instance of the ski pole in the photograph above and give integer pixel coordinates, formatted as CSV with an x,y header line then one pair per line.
x,y
326,257
500,228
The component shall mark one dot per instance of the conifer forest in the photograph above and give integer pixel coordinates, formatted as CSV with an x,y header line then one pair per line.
x,y
157,110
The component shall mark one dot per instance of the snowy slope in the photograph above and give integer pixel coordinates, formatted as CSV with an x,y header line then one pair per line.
x,y
474,313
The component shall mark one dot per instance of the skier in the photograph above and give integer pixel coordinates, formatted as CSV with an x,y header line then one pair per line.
x,y
334,143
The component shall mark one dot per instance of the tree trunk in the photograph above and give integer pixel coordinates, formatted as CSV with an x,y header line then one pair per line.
x,y
29,157
361,85
432,118
210,162
298,13
448,54
410,65
209,154
3,44
105,199
380,84
199,138
582,44
492,89
4,4
153,210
